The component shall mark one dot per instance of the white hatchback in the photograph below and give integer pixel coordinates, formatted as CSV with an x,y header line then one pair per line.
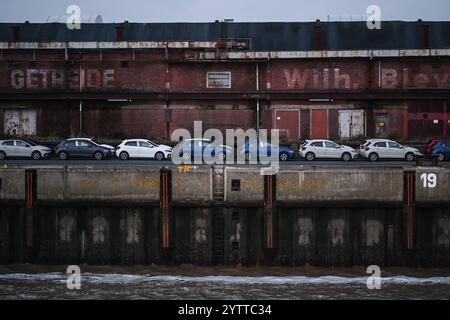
x,y
375,149
326,149
24,148
143,148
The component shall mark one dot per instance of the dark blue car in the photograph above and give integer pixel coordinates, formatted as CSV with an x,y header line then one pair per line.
x,y
252,149
83,148
440,150
196,148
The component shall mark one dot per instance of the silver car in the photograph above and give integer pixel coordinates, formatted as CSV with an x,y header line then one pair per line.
x,y
326,149
375,149
23,148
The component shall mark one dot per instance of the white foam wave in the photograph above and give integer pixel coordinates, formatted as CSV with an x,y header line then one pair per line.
x,y
231,280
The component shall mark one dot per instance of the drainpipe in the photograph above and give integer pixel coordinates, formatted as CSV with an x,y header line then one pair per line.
x,y
80,73
81,117
257,101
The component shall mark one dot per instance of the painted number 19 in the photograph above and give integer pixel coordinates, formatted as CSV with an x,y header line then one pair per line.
x,y
429,180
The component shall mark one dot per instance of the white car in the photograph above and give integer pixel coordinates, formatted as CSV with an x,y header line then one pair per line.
x,y
23,148
375,149
326,149
142,148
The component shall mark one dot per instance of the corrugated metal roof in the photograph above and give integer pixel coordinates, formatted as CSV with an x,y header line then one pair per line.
x,y
265,36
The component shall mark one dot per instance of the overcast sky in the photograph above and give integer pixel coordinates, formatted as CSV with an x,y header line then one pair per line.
x,y
209,10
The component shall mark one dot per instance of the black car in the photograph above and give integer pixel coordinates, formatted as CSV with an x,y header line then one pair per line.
x,y
83,148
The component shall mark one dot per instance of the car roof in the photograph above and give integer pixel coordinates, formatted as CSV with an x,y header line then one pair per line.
x,y
379,140
79,139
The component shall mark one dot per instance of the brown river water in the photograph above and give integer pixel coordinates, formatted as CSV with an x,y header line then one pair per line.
x,y
188,282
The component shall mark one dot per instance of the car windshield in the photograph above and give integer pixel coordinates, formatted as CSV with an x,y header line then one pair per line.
x,y
95,142
152,143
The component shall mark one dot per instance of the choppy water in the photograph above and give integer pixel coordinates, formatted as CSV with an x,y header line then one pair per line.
x,y
241,284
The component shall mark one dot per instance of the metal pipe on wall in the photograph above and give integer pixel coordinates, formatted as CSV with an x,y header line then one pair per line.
x,y
257,101
81,117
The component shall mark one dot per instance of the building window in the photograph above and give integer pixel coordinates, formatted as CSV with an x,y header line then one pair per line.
x,y
235,185
218,80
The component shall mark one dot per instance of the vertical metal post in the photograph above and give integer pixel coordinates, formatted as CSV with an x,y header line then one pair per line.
x,y
165,207
81,117
269,213
257,101
30,206
446,121
408,208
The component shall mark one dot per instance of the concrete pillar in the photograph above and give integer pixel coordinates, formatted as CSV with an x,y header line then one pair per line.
x,y
98,236
441,241
5,242
201,236
303,241
66,236
130,246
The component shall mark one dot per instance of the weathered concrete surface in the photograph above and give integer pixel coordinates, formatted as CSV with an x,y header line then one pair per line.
x,y
98,184
12,183
251,186
192,185
328,184
430,192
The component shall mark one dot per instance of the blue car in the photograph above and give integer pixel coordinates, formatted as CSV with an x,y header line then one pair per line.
x,y
440,150
260,149
196,148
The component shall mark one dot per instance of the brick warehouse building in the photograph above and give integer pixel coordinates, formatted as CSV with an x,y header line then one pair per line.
x,y
336,80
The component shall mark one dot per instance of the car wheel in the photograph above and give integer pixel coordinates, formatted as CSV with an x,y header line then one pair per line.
x,y
36,155
2,155
124,155
310,156
346,157
373,157
98,155
284,156
410,156
62,156
441,157
159,156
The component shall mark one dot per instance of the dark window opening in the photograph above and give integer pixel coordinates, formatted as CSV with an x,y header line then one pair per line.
x,y
235,245
235,185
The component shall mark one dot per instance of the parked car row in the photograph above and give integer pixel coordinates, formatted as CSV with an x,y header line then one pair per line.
x,y
84,148
372,149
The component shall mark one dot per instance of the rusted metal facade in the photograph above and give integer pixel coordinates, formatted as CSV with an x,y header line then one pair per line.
x,y
119,84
